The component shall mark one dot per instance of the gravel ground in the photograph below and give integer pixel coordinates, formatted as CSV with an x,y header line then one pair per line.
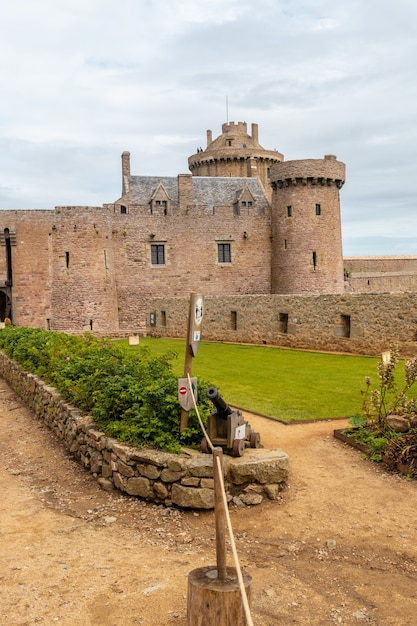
x,y
339,547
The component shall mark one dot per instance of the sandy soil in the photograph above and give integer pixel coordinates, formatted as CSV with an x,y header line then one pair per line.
x,y
340,547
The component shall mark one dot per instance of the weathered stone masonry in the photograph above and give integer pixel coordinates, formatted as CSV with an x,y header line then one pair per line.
x,y
245,225
355,323
184,480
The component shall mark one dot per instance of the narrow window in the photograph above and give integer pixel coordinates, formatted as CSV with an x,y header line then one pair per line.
x,y
283,323
345,322
233,320
67,259
8,255
285,244
289,211
152,319
163,318
318,209
224,253
314,260
48,323
250,203
157,254
268,172
105,260
91,324
123,210
165,206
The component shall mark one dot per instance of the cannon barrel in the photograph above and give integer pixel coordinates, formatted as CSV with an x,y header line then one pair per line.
x,y
223,409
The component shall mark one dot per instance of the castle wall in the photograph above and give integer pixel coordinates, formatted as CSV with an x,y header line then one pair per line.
x,y
31,291
351,323
381,274
83,295
191,262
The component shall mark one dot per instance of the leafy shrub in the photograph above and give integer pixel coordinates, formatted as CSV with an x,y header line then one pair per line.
x,y
132,397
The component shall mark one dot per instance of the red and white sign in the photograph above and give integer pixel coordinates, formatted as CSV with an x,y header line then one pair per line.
x,y
185,394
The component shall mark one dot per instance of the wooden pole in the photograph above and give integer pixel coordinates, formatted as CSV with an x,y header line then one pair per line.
x,y
220,515
188,366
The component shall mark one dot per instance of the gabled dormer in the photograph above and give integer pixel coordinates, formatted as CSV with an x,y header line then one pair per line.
x,y
244,201
160,201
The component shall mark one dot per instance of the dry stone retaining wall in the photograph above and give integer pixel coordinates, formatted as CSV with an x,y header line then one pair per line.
x,y
184,480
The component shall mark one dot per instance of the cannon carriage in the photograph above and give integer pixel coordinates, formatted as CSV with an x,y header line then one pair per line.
x,y
228,429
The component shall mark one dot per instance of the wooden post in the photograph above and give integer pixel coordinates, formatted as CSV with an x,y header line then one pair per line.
x,y
214,594
215,602
220,515
195,316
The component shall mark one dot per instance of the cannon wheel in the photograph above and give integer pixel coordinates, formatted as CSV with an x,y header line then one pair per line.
x,y
204,446
255,440
238,447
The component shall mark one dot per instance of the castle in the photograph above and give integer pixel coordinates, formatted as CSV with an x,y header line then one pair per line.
x,y
244,225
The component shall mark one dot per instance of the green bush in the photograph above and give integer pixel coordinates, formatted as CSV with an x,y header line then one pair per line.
x,y
132,397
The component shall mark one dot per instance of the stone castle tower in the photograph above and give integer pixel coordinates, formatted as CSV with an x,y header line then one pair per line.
x,y
306,226
235,153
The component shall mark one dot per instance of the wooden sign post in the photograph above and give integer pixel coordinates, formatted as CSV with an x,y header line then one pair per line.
x,y
214,593
195,318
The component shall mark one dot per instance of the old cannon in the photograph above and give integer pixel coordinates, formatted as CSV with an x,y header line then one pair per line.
x,y
227,428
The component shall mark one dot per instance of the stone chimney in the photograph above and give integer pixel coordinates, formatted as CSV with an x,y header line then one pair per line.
x,y
209,137
125,172
185,191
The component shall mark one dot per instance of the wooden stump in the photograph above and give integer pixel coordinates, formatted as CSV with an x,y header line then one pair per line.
x,y
214,602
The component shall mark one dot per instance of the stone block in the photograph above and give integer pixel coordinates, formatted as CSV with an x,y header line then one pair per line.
x,y
192,498
207,483
191,481
138,486
119,481
160,490
167,476
260,465
150,471
202,465
125,470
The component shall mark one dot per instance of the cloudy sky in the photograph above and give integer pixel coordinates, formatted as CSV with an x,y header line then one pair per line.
x,y
83,80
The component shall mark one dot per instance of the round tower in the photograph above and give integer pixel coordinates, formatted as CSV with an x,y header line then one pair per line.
x,y
235,153
306,226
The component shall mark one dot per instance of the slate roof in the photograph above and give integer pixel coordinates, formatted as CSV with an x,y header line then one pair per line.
x,y
208,190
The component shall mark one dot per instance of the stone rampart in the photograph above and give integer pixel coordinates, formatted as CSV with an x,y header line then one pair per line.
x,y
184,480
355,323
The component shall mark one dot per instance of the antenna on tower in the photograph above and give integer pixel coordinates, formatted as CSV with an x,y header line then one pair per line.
x,y
227,109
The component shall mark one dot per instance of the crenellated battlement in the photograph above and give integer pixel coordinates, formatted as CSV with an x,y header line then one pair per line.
x,y
327,171
240,127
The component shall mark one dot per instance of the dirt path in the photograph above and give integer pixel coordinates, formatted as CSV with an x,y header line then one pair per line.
x,y
340,547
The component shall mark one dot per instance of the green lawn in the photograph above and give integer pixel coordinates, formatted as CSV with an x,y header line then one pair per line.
x,y
289,385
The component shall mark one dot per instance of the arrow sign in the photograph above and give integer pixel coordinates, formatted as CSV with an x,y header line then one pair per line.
x,y
185,395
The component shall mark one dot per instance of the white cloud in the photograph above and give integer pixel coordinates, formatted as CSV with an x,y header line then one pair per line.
x,y
83,80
